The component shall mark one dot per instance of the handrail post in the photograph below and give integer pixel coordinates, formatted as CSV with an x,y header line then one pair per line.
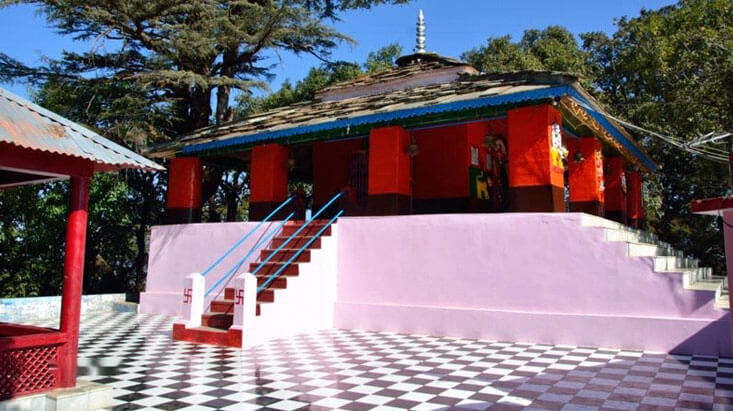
x,y
193,300
245,303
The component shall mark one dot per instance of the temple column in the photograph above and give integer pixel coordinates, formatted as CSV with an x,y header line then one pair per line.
x,y
634,210
389,171
615,192
76,233
268,180
183,205
536,174
585,176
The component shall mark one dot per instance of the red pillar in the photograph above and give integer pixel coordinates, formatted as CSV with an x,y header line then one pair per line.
x,y
389,171
268,180
536,174
76,229
616,188
585,176
634,210
184,191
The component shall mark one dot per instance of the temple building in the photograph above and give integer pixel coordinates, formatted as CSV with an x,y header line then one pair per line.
x,y
429,135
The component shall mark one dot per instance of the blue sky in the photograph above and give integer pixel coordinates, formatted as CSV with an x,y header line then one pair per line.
x,y
453,26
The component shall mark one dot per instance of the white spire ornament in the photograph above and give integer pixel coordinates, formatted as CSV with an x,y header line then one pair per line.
x,y
420,47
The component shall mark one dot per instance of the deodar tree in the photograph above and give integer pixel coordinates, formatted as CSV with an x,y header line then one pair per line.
x,y
156,69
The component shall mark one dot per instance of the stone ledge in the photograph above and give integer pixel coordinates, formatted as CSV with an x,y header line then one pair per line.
x,y
86,396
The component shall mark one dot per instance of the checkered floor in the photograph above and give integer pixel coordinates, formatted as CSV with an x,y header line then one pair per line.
x,y
355,370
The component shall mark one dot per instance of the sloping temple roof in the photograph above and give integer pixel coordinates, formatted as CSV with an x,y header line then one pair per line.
x,y
424,89
30,126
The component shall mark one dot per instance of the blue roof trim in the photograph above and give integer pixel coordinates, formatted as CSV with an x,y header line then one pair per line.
x,y
615,132
434,109
382,117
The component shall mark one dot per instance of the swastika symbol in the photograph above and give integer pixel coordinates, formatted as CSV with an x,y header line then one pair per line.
x,y
240,297
187,295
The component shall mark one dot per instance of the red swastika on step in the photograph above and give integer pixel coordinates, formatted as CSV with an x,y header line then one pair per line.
x,y
187,295
240,296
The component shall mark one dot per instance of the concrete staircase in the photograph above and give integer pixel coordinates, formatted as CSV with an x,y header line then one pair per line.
x,y
666,259
216,322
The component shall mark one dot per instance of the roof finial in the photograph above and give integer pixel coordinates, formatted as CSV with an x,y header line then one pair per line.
x,y
420,47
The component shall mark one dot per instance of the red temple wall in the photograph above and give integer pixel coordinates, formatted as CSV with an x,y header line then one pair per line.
x,y
331,167
441,168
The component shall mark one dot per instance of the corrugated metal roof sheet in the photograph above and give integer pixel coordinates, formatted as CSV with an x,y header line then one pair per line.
x,y
29,125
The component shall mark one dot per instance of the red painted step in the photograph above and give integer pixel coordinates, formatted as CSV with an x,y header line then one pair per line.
x,y
229,293
208,335
222,306
217,320
272,268
279,283
285,254
296,242
266,296
309,230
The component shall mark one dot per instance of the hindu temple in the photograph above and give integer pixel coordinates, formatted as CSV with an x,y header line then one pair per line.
x,y
430,135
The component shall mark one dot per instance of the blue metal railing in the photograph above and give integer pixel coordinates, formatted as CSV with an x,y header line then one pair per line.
x,y
297,253
252,250
295,234
246,236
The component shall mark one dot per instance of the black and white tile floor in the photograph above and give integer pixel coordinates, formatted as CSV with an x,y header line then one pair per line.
x,y
355,370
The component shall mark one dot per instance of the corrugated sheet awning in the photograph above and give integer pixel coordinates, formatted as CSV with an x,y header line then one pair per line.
x,y
29,125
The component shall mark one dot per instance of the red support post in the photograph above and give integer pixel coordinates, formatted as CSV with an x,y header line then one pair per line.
x,y
585,176
268,180
76,231
389,171
536,174
183,205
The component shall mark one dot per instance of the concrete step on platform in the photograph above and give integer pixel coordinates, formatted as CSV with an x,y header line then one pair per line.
x,y
651,250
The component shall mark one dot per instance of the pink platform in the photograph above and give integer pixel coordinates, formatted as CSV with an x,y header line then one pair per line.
x,y
519,277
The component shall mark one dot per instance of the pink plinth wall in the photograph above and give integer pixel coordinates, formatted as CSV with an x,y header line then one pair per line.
x,y
517,277
179,250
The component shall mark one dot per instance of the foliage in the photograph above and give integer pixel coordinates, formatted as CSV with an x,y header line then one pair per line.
x,y
553,48
671,70
157,68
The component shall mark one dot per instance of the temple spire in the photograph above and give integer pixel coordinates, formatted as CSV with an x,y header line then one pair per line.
x,y
420,40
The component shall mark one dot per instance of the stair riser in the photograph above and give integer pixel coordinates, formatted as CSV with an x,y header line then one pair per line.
x,y
649,250
269,268
285,255
228,293
266,296
296,242
222,322
619,235
278,283
221,307
662,264
309,230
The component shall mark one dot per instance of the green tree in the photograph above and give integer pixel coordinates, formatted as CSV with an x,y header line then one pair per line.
x,y
167,67
553,48
670,71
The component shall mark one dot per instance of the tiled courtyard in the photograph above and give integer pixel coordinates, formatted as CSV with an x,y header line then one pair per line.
x,y
355,370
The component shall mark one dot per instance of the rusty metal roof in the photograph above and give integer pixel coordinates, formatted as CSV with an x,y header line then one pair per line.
x,y
29,125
